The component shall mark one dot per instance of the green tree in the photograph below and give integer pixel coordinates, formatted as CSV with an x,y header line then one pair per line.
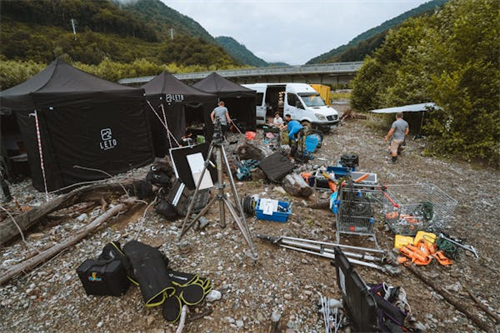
x,y
451,58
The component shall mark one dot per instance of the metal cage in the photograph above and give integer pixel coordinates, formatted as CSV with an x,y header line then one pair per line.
x,y
357,207
417,207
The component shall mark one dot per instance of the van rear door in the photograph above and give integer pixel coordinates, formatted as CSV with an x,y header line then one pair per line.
x,y
260,108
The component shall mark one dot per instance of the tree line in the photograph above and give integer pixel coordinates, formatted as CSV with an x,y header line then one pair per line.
x,y
450,58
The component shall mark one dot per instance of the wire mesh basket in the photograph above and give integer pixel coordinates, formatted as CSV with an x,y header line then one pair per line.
x,y
356,209
410,208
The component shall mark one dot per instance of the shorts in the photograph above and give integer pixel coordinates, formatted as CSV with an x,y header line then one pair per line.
x,y
395,145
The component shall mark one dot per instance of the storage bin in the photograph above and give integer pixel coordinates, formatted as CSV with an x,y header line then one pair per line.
x,y
278,216
371,180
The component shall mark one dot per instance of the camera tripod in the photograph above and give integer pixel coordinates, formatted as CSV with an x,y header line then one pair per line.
x,y
235,208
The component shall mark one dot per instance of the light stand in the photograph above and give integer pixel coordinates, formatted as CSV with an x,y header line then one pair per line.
x,y
234,208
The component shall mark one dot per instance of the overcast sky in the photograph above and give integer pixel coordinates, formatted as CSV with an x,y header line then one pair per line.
x,y
291,31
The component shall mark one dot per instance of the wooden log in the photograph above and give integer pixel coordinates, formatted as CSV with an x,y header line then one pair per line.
x,y
485,308
464,308
320,204
94,193
296,185
47,254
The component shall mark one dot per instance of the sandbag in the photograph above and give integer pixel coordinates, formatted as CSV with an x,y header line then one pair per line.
x,y
150,268
160,175
190,289
167,210
113,251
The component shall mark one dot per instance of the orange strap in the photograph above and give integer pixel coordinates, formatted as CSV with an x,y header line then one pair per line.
x,y
441,258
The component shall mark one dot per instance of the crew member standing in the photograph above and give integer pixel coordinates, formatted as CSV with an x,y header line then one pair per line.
x,y
221,114
295,133
399,130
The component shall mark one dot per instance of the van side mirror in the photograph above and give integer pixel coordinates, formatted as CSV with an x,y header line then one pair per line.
x,y
298,105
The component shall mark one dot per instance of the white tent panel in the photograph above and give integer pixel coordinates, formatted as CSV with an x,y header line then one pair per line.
x,y
408,108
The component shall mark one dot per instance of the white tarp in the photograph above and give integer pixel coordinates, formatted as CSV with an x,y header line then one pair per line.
x,y
408,108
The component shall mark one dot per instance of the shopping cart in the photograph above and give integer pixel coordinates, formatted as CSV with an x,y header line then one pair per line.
x,y
357,206
417,207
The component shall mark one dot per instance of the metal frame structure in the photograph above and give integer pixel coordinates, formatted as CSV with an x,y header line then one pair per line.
x,y
234,208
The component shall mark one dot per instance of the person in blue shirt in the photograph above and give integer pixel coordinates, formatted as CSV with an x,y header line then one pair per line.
x,y
295,133
294,128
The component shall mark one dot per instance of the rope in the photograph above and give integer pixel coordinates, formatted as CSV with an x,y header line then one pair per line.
x,y
165,120
167,128
37,125
164,123
17,226
450,249
232,122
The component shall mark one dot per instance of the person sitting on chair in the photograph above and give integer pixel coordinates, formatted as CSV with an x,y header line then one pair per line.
x,y
277,121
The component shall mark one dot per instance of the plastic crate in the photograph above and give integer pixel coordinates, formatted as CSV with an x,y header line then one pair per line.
x,y
339,171
279,216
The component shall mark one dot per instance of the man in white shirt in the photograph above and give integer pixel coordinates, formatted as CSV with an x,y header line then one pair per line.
x,y
277,121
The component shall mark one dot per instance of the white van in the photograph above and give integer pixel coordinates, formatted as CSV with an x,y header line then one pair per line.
x,y
300,100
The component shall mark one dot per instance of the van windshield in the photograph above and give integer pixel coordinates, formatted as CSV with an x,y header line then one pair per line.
x,y
312,100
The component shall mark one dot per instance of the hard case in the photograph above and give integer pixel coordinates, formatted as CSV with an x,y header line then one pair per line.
x,y
103,277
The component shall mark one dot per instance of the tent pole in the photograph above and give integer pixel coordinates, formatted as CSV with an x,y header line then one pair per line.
x,y
419,135
39,138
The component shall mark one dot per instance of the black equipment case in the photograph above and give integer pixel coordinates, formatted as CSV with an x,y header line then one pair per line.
x,y
103,277
356,298
276,167
180,197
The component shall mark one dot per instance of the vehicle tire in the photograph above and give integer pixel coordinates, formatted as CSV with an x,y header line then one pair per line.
x,y
307,127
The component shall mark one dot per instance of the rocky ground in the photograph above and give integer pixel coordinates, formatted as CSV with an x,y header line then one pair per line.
x,y
51,298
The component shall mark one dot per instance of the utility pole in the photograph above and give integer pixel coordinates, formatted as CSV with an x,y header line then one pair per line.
x,y
73,24
171,33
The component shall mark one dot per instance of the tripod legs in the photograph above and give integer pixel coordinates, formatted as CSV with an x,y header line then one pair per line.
x,y
235,209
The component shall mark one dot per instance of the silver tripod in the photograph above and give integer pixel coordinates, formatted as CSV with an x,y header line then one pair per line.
x,y
235,208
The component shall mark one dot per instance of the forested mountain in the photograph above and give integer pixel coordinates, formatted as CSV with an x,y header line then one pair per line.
x,y
40,31
369,40
163,18
240,52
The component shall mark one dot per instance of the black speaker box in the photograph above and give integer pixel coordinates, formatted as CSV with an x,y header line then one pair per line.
x,y
103,277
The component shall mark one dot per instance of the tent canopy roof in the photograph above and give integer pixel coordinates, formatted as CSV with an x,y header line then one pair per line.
x,y
58,78
216,84
408,108
165,84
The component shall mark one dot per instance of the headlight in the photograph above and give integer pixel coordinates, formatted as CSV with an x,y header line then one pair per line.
x,y
320,116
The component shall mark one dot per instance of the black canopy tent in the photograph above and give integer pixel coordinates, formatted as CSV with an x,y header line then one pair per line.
x,y
239,100
167,93
80,120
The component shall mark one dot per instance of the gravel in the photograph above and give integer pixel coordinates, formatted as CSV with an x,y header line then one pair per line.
x,y
285,283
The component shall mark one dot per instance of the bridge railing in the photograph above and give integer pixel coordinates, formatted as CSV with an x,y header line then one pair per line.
x,y
332,68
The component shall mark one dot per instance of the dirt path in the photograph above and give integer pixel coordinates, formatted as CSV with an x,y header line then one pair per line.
x,y
51,299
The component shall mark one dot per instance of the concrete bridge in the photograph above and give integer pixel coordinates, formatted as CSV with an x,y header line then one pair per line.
x,y
334,73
